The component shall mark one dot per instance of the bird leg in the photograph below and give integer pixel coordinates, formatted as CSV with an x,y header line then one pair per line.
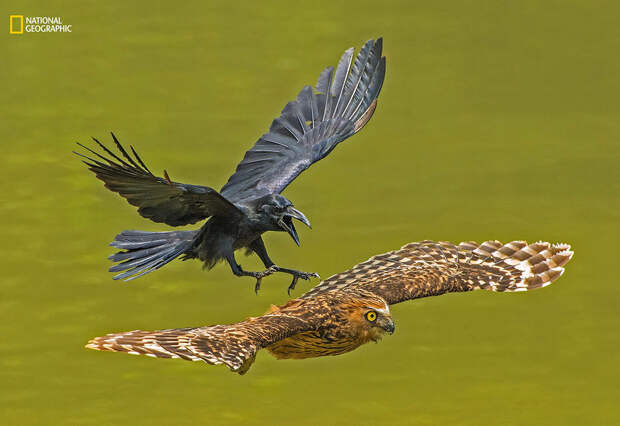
x,y
259,276
296,276
259,248
238,271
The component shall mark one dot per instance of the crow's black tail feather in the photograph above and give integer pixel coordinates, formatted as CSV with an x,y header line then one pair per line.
x,y
144,252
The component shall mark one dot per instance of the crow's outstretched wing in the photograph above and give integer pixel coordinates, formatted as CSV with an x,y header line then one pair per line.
x,y
158,199
312,125
428,268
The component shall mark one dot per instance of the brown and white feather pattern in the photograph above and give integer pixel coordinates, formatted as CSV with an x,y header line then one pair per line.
x,y
431,268
233,345
329,319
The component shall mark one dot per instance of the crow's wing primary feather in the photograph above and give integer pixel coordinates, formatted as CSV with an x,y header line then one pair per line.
x,y
158,199
312,125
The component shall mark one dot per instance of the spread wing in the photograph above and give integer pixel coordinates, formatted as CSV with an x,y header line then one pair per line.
x,y
158,199
312,125
429,268
233,345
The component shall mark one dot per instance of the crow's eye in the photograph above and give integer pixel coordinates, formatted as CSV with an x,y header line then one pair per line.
x,y
371,316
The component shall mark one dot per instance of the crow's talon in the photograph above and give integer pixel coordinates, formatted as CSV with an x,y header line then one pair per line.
x,y
260,275
304,276
273,269
293,284
263,274
307,275
257,285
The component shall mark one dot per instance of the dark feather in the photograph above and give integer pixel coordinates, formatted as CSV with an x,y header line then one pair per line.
x,y
158,199
311,126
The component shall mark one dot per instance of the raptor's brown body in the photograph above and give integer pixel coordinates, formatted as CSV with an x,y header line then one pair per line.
x,y
331,338
352,308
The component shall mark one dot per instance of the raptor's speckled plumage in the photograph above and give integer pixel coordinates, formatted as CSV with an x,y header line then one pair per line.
x,y
352,308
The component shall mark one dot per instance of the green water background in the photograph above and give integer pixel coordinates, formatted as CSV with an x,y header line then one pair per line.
x,y
497,120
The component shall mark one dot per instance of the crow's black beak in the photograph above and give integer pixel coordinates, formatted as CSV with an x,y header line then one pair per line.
x,y
296,214
286,222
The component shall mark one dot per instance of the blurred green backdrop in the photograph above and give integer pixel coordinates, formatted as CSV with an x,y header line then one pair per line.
x,y
497,120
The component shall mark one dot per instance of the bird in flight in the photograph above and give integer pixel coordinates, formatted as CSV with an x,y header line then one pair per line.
x,y
353,308
250,203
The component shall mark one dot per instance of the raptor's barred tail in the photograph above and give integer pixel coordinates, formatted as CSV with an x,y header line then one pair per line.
x,y
144,252
515,266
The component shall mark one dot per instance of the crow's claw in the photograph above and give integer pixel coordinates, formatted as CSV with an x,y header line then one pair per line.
x,y
303,275
293,283
307,275
260,275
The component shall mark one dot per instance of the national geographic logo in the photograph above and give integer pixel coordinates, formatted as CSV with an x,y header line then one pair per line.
x,y
18,24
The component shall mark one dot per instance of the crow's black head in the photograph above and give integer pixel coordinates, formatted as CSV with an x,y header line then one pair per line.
x,y
280,212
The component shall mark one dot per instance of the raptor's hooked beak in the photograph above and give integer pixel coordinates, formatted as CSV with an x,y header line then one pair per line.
x,y
389,326
286,222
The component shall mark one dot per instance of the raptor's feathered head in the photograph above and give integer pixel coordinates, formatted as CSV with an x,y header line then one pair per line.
x,y
369,315
352,318
280,212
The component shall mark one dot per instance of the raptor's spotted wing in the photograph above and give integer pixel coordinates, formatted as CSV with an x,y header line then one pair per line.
x,y
312,125
428,269
158,199
233,345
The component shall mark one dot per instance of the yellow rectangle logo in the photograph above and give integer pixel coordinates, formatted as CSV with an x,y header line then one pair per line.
x,y
16,24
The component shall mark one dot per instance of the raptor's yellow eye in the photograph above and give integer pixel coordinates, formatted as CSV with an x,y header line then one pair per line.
x,y
371,316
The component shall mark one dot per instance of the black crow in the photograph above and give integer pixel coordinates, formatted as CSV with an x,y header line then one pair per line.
x,y
250,203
